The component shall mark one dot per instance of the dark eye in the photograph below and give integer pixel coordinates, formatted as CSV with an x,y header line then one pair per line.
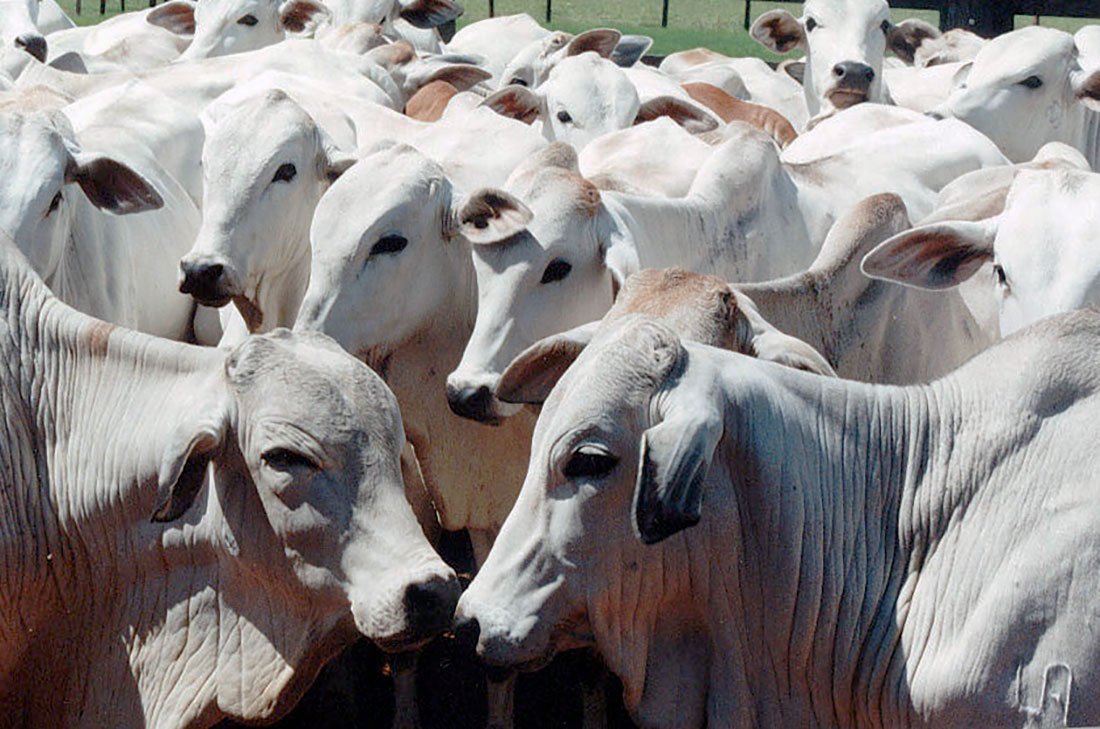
x,y
556,270
55,203
999,274
389,244
247,20
1032,82
810,24
285,173
564,118
589,462
283,459
518,82
885,27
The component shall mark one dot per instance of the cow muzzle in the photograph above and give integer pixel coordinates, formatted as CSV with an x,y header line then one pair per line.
x,y
210,281
412,616
852,84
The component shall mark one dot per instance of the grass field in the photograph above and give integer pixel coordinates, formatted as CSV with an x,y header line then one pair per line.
x,y
715,24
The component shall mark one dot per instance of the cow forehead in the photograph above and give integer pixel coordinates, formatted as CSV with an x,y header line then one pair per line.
x,y
234,8
1053,204
1023,50
265,120
34,146
846,12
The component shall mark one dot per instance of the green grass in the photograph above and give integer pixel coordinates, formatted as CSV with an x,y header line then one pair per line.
x,y
716,24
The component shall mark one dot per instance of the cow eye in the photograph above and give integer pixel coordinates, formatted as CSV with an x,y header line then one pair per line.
x,y
999,274
517,81
885,27
810,25
556,270
389,244
55,203
589,462
1032,82
247,20
564,118
284,459
285,173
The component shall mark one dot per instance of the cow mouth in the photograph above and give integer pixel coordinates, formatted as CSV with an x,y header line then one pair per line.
x,y
845,98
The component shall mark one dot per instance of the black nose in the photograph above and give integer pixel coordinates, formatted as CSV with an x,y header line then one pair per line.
x,y
853,75
32,44
475,403
467,630
430,606
935,115
205,282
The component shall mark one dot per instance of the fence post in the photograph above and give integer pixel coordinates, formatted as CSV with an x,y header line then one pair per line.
x,y
548,10
985,18
664,14
748,13
492,11
78,7
102,7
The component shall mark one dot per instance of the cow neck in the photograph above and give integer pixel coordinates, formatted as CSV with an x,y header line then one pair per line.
x,y
1090,137
831,495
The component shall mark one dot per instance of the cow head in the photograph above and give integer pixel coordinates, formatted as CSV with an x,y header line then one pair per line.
x,y
19,27
391,249
559,272
844,43
1028,87
532,65
223,27
266,163
587,96
1041,247
305,448
417,13
47,175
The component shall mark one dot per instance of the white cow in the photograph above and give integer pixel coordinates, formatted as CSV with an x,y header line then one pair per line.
x,y
134,41
1029,87
62,200
749,216
497,40
587,96
19,27
532,65
412,20
1042,247
190,534
845,43
223,27
820,552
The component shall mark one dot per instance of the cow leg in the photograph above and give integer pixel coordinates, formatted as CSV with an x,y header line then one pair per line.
x,y
406,715
501,694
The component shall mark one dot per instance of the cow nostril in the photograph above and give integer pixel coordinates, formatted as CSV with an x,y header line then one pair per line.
x,y
471,402
35,45
838,70
467,631
205,281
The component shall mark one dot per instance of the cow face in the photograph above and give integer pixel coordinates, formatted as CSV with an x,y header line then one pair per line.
x,y
223,27
558,273
418,13
47,174
1041,247
568,569
1024,89
19,27
266,164
532,65
844,43
318,436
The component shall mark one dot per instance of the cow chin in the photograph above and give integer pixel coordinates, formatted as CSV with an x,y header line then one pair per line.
x,y
846,98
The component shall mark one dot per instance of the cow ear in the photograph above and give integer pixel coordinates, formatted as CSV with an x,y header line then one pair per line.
x,y
183,467
430,13
937,256
517,102
691,117
778,30
630,49
620,257
460,75
531,376
176,17
70,61
796,70
672,466
491,215
111,185
601,41
303,17
905,38
1086,87
961,75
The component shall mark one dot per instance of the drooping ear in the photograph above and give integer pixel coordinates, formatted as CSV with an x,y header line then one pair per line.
x,y
905,38
303,17
796,70
675,457
517,102
70,61
490,216
763,341
430,13
691,117
937,256
183,466
601,41
531,376
1086,87
620,256
177,16
630,49
961,75
778,30
461,76
111,185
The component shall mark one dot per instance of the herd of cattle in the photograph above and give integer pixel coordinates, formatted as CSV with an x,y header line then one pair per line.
x,y
290,291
